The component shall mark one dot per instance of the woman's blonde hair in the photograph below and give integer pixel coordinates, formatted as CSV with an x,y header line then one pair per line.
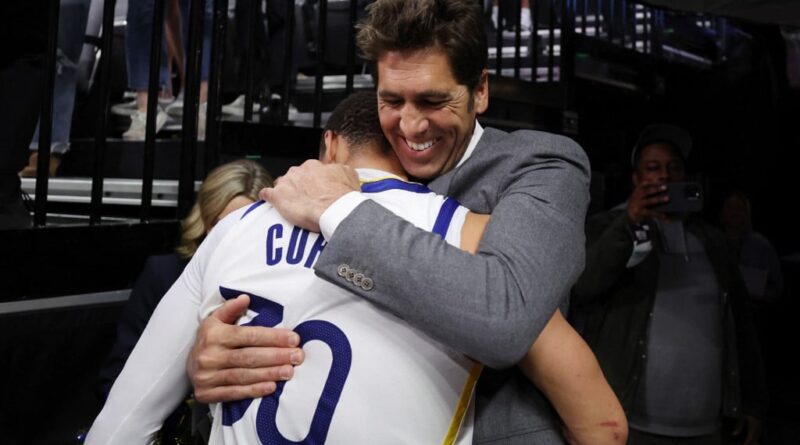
x,y
238,178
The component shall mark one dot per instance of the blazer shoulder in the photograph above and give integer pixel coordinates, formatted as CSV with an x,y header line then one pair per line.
x,y
528,143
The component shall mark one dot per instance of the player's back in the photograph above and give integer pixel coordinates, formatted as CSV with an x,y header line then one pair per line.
x,y
368,377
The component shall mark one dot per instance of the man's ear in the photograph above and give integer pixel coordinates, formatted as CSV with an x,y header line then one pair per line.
x,y
481,93
330,147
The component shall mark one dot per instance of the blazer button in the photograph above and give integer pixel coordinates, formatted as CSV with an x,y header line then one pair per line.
x,y
350,275
358,278
342,270
367,284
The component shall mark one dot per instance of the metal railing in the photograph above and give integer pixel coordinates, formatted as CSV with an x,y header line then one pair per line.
x,y
542,54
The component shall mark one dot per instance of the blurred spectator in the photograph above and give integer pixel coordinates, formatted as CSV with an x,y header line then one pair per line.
x,y
138,33
525,17
71,31
23,39
758,261
666,310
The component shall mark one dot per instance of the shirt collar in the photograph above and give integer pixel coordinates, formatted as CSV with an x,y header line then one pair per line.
x,y
372,174
476,136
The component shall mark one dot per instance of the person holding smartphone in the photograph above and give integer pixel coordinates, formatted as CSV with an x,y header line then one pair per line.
x,y
664,308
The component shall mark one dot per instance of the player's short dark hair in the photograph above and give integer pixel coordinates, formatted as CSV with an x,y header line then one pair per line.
x,y
455,26
356,120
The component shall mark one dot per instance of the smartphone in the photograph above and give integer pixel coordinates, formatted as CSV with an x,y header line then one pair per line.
x,y
684,197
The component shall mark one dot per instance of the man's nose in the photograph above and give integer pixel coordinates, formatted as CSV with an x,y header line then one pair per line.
x,y
412,121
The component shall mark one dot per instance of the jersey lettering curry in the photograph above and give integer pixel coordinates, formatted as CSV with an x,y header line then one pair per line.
x,y
368,377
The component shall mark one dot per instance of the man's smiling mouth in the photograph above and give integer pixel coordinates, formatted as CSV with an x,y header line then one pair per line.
x,y
421,146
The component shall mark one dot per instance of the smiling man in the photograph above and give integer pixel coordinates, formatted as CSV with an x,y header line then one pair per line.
x,y
430,58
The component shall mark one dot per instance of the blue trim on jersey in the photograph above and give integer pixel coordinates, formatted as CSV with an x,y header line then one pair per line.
x,y
393,184
252,207
445,217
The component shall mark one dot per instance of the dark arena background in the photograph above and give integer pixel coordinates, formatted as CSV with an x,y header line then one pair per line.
x,y
597,71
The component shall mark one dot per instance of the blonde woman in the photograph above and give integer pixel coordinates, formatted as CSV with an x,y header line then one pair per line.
x,y
225,189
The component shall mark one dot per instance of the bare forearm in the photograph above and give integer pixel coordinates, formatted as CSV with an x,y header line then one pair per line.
x,y
563,367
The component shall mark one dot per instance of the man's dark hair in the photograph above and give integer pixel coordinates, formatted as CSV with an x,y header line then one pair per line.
x,y
455,26
356,120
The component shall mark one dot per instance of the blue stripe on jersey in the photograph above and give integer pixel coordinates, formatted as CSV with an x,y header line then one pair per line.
x,y
445,216
252,207
393,184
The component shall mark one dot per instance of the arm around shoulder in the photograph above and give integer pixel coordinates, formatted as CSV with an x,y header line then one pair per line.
x,y
490,306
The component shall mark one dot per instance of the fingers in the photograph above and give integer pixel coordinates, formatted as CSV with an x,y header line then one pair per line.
x,y
654,200
644,197
231,310
229,336
265,193
653,189
243,377
234,393
253,358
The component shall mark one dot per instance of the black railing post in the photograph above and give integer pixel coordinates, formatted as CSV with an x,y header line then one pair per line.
x,y
351,46
597,11
567,66
498,59
322,19
98,165
219,27
583,17
152,107
551,43
254,12
535,40
518,40
611,21
191,107
655,33
288,69
46,116
645,30
624,18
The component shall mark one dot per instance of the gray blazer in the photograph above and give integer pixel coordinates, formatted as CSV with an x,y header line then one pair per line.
x,y
490,306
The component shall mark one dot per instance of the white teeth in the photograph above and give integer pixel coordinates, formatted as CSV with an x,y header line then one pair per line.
x,y
420,147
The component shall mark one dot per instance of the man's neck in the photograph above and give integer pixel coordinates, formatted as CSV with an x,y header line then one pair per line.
x,y
388,163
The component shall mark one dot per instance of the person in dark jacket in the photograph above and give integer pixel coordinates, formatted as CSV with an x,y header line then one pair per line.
x,y
665,310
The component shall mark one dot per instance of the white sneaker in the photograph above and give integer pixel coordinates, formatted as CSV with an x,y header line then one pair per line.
x,y
236,108
175,109
137,130
125,108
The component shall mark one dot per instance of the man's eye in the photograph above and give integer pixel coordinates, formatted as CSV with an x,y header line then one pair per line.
x,y
392,102
433,103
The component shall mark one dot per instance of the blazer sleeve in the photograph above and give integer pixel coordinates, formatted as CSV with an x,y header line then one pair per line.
x,y
490,306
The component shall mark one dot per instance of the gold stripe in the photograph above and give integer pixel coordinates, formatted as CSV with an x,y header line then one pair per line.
x,y
463,404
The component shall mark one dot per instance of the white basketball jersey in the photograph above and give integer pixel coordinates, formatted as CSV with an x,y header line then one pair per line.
x,y
368,377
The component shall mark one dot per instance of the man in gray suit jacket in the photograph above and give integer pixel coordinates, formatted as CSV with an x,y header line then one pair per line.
x,y
432,83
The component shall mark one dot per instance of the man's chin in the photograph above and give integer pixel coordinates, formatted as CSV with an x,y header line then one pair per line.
x,y
420,172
